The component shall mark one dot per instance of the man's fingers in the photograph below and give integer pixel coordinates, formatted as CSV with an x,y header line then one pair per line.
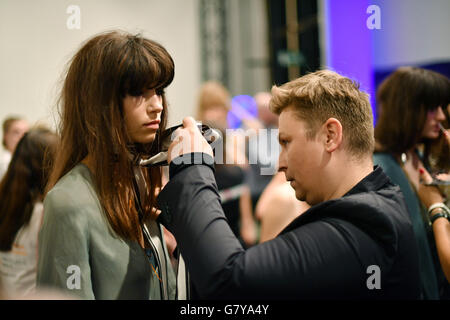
x,y
189,122
188,139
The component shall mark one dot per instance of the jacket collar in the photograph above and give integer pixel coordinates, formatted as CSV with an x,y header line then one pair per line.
x,y
374,181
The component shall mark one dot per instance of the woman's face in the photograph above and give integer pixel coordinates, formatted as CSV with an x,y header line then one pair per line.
x,y
448,111
15,133
143,115
431,129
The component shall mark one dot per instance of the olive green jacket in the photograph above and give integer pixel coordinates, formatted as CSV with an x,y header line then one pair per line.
x,y
80,255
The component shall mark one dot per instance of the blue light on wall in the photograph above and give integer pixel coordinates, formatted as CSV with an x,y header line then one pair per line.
x,y
242,107
349,42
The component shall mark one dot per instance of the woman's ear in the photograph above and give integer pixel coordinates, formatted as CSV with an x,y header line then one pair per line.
x,y
333,133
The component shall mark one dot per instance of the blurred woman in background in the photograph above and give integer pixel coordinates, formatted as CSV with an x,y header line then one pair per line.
x,y
21,196
410,109
13,130
436,197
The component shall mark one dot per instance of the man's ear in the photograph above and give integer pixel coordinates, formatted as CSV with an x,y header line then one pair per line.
x,y
333,132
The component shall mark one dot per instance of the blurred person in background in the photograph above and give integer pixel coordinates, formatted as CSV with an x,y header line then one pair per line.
x,y
264,151
277,207
410,109
13,130
439,214
436,198
439,156
235,195
21,209
212,109
213,105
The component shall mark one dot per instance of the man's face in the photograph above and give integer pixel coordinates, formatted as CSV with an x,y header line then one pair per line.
x,y
302,160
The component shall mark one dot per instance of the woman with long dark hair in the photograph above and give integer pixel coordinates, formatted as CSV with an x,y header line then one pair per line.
x,y
100,238
21,194
410,108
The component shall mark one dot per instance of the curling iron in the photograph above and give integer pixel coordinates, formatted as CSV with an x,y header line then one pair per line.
x,y
160,159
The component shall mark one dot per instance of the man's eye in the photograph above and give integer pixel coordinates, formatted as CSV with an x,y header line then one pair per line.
x,y
159,92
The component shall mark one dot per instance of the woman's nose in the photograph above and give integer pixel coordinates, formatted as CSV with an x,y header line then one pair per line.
x,y
440,116
155,104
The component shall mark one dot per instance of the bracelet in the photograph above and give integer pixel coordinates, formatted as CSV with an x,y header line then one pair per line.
x,y
439,205
437,216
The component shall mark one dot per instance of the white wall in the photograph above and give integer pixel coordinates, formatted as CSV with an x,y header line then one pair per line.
x,y
35,45
249,67
412,32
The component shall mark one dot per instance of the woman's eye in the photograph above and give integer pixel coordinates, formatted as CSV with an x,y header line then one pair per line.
x,y
135,93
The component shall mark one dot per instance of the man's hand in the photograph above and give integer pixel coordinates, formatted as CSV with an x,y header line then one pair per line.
x,y
187,140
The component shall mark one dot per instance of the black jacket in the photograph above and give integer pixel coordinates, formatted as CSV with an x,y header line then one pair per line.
x,y
329,252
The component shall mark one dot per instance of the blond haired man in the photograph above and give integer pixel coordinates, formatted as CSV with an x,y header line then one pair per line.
x,y
356,240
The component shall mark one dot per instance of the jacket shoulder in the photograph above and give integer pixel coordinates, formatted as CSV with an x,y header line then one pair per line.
x,y
73,191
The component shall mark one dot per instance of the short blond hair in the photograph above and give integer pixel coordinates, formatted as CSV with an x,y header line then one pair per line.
x,y
324,94
212,94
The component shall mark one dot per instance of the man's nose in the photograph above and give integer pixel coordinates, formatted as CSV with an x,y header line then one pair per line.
x,y
282,165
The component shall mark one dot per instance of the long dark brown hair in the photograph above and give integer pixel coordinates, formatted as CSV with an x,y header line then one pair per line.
x,y
102,73
404,99
24,182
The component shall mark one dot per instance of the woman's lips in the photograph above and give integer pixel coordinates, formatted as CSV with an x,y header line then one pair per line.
x,y
152,125
437,129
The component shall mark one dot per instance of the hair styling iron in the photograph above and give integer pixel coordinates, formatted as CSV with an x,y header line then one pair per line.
x,y
160,159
